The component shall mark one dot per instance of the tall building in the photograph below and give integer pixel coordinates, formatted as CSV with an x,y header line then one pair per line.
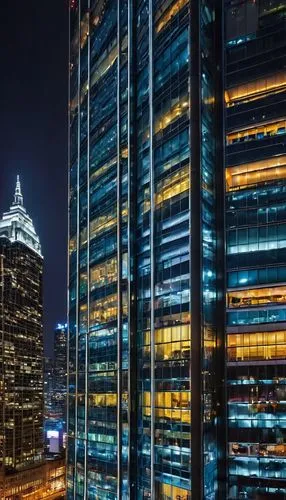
x,y
21,340
256,247
60,372
146,310
48,386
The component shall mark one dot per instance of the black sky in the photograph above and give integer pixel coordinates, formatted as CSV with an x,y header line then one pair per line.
x,y
33,131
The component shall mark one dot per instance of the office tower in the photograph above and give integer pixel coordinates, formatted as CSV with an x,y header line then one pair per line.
x,y
48,386
60,372
146,315
21,340
256,247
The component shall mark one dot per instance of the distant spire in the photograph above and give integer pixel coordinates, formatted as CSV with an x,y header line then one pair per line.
x,y
18,197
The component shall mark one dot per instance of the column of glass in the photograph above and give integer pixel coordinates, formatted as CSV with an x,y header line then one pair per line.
x,y
171,157
103,265
209,140
255,209
122,214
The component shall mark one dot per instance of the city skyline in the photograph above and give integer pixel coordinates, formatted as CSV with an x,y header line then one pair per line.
x,y
33,130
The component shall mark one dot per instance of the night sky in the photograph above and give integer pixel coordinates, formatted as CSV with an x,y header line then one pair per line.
x,y
33,132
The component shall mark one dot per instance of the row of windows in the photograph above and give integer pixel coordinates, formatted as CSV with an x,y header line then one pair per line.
x,y
256,317
257,133
256,89
255,239
256,276
260,450
242,176
256,297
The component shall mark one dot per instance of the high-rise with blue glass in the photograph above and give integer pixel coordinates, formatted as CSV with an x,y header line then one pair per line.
x,y
146,311
256,247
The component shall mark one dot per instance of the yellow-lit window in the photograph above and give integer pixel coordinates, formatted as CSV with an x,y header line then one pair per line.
x,y
102,223
169,14
72,245
173,185
259,345
172,351
102,170
253,173
103,310
168,492
256,89
258,132
172,114
172,400
102,400
172,334
103,274
84,29
256,297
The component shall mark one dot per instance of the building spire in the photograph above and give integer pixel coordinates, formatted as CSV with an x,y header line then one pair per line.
x,y
18,197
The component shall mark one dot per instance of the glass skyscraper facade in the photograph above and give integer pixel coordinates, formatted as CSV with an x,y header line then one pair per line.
x,y
256,243
21,342
146,310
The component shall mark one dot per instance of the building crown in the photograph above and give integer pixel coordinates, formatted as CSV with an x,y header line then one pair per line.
x,y
18,197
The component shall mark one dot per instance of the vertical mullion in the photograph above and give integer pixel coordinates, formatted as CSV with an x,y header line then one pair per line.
x,y
88,272
77,255
152,266
119,257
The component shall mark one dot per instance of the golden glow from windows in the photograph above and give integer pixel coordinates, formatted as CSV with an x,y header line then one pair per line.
x,y
245,175
103,273
106,222
173,185
169,406
255,449
258,345
256,297
173,351
256,89
105,309
105,62
72,244
172,334
102,170
102,400
84,29
164,120
265,130
169,491
169,13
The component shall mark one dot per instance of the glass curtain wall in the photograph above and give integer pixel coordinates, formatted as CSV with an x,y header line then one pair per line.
x,y
256,221
146,173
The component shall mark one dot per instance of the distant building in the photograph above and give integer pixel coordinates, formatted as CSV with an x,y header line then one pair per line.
x,y
44,481
21,340
60,372
55,384
48,386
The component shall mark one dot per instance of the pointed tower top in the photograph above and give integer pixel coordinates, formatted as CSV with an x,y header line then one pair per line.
x,y
18,197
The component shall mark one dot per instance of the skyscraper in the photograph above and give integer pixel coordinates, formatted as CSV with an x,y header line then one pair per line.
x,y
21,340
60,372
146,311
256,244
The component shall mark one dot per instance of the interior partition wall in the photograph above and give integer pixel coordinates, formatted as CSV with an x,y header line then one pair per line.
x,y
146,311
